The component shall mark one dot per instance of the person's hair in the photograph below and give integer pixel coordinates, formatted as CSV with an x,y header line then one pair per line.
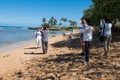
x,y
107,20
83,18
88,20
44,28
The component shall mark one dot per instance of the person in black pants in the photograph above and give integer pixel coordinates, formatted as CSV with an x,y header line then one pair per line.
x,y
87,50
82,45
45,32
87,38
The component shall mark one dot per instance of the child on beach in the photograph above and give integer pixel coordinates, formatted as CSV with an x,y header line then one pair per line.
x,y
38,37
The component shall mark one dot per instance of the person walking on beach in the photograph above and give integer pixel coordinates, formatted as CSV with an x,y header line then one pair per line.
x,y
83,22
45,32
38,37
107,34
87,38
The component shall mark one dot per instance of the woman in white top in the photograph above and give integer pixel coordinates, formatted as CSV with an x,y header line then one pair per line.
x,y
38,36
108,36
87,38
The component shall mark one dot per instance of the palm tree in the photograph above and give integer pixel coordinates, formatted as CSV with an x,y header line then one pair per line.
x,y
61,21
73,23
65,20
44,20
70,21
55,22
60,24
52,22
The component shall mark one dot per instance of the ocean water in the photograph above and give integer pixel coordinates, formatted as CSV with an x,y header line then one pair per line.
x,y
14,34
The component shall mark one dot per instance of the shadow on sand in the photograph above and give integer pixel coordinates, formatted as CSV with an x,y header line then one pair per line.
x,y
31,48
33,53
69,57
75,43
69,65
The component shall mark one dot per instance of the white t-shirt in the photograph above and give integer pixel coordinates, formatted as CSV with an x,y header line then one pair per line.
x,y
38,35
87,33
108,27
107,30
102,22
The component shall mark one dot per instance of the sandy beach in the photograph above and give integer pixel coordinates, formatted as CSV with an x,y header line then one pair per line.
x,y
62,62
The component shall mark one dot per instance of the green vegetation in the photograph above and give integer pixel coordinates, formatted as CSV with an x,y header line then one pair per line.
x,y
53,24
103,8
99,9
64,20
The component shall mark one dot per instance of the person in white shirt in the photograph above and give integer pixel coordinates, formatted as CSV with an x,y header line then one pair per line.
x,y
83,23
38,37
102,23
108,35
87,38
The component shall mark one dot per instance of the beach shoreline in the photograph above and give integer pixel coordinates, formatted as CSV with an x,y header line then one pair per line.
x,y
28,63
10,59
19,44
13,46
16,53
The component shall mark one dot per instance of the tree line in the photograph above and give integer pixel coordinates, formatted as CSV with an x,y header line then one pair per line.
x,y
52,22
103,8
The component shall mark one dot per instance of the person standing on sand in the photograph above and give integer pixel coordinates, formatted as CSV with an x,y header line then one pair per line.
x,y
45,32
83,22
38,37
107,34
87,38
